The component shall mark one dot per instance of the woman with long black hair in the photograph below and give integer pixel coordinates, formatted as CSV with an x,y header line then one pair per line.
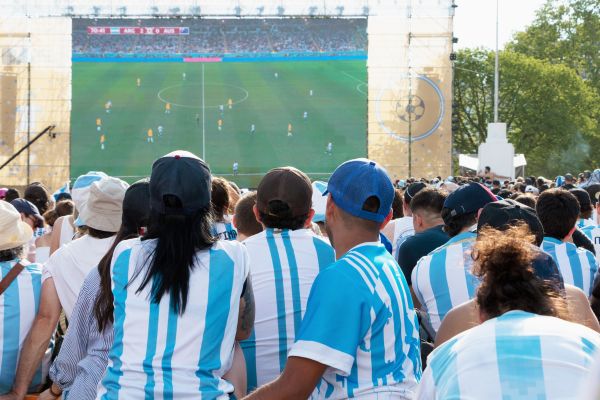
x,y
181,298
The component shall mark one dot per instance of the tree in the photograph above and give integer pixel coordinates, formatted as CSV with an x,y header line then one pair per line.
x,y
565,32
551,113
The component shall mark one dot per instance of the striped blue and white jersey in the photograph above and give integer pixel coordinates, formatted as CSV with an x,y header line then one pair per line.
x,y
443,280
361,323
224,230
593,233
283,265
518,356
584,223
577,266
19,305
159,354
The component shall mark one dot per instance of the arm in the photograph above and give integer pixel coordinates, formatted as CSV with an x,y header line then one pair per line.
x,y
55,235
458,320
297,381
246,314
579,308
37,340
75,344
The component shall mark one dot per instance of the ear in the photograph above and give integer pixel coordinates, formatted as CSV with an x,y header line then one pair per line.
x,y
256,213
308,221
329,209
386,220
479,213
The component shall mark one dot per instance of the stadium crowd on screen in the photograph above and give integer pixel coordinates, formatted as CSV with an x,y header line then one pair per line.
x,y
183,286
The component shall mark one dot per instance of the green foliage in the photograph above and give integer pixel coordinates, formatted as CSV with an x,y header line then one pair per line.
x,y
551,113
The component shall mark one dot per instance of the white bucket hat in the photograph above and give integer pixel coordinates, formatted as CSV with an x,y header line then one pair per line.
x,y
104,207
13,231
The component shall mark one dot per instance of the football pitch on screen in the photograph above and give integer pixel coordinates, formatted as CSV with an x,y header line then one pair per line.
x,y
271,114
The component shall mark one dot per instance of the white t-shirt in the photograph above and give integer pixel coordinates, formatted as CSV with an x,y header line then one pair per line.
x,y
70,265
403,229
159,353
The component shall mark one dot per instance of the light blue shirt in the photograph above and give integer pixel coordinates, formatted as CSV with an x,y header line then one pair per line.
x,y
517,356
576,265
19,305
443,279
361,323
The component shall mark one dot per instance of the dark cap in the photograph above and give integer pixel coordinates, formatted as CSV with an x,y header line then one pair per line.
x,y
136,206
29,209
503,214
412,190
468,199
183,175
593,190
287,185
569,177
583,197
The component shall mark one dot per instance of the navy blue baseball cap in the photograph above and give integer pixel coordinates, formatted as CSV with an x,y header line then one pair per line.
x,y
184,175
468,199
353,182
29,209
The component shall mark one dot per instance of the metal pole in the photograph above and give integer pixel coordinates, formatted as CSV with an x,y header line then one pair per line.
x,y
496,70
28,122
410,114
203,119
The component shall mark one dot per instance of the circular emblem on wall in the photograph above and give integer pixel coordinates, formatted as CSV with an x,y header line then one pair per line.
x,y
412,108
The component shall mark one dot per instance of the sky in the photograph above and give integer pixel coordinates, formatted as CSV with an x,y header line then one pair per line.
x,y
475,21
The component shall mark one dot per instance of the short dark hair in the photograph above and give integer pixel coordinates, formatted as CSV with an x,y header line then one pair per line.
x,y
219,198
11,194
371,204
526,199
429,199
397,205
38,195
558,210
455,224
245,221
282,217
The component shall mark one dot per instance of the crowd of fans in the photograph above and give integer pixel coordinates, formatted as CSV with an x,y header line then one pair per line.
x,y
224,37
183,286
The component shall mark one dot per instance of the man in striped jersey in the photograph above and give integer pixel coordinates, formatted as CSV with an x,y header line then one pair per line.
x,y
285,259
558,210
359,337
585,208
19,301
443,279
593,231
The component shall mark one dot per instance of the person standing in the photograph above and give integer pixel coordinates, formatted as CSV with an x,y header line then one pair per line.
x,y
359,336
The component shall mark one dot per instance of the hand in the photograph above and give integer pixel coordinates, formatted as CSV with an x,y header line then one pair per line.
x,y
47,395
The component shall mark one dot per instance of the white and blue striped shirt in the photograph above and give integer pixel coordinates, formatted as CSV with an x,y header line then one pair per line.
x,y
442,280
593,233
361,323
224,230
576,265
159,354
584,223
516,356
283,265
19,305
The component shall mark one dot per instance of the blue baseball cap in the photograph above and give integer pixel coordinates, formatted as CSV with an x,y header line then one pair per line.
x,y
468,198
353,182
